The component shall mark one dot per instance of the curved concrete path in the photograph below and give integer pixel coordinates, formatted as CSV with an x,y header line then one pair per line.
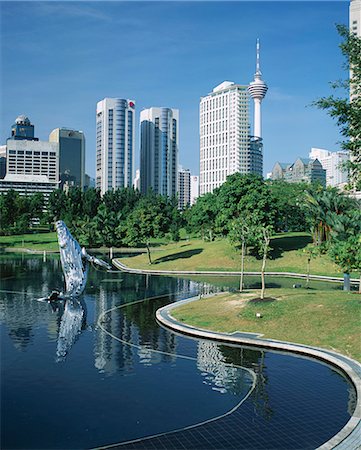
x,y
119,265
349,438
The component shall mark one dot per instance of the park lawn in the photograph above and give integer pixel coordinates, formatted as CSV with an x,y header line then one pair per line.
x,y
31,241
327,319
220,255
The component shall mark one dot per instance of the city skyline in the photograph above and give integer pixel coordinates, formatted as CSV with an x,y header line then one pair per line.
x,y
300,37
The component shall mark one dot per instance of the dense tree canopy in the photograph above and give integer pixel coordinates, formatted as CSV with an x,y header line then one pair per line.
x,y
346,109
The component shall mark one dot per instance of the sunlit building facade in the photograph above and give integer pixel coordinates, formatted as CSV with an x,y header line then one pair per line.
x,y
115,143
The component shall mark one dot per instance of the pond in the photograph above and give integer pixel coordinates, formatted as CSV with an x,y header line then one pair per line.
x,y
66,384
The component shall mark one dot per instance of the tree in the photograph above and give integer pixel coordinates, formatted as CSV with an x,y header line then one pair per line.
x,y
241,233
347,255
56,205
264,235
243,195
91,202
323,208
148,220
345,245
311,252
347,109
202,215
288,201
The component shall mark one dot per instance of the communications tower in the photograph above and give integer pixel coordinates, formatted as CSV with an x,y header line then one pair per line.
x,y
257,89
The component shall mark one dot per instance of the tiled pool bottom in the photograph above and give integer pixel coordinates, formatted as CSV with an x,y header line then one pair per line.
x,y
287,410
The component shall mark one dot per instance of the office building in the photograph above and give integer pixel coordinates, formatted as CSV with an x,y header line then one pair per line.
x,y
28,185
71,156
224,135
334,164
194,188
115,143
184,188
89,182
26,155
159,150
2,161
23,129
33,158
303,170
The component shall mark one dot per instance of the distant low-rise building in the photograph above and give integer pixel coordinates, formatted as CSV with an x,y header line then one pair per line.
x,y
304,170
279,170
28,184
334,164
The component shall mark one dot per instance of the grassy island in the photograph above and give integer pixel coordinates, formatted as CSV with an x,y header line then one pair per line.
x,y
220,255
327,319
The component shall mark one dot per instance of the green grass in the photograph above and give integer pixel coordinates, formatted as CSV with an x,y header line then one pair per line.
x,y
324,319
36,241
219,255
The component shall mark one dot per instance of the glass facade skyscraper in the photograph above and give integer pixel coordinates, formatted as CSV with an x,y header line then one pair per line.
x,y
71,156
159,150
115,143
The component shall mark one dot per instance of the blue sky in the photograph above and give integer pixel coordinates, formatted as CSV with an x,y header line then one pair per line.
x,y
60,58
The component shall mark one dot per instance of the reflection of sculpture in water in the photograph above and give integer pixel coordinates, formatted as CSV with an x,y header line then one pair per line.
x,y
74,261
72,322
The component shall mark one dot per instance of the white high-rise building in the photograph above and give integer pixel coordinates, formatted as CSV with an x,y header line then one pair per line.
x,y
333,163
194,188
115,143
224,135
159,150
184,188
355,17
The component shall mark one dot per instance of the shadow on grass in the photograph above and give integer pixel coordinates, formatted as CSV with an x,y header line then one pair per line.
x,y
180,255
287,243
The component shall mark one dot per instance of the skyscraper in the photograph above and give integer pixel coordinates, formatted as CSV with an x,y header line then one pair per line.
x,y
184,188
159,150
224,135
71,156
115,143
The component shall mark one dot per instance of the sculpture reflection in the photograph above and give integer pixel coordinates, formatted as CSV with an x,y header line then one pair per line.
x,y
73,321
74,262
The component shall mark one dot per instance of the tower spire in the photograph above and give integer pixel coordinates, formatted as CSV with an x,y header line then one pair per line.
x,y
258,70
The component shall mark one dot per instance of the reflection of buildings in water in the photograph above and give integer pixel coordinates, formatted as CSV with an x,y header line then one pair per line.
x,y
217,373
21,314
72,322
111,355
135,324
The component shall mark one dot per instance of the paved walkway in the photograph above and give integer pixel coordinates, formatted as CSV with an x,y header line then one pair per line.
x,y
349,438
119,265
